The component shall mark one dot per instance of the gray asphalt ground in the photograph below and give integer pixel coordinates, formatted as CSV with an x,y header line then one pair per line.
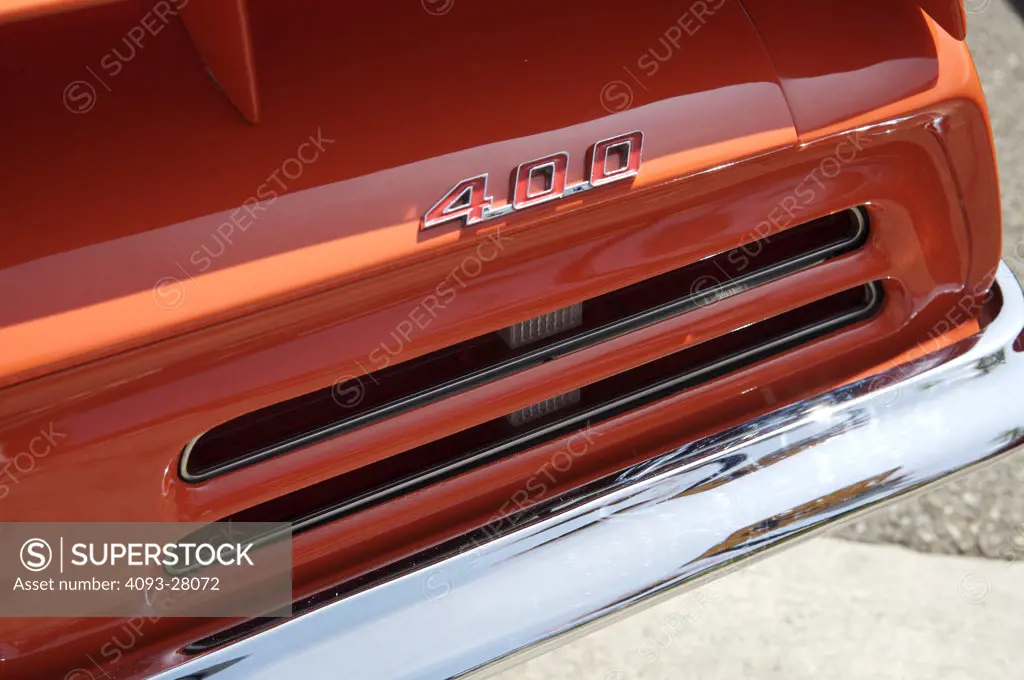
x,y
947,601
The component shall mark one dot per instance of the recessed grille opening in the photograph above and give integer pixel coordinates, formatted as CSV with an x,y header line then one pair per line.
x,y
562,415
326,413
327,501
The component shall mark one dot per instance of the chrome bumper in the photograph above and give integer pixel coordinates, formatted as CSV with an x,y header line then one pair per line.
x,y
635,538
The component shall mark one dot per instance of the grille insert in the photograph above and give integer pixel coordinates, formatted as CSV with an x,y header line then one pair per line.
x,y
501,437
329,412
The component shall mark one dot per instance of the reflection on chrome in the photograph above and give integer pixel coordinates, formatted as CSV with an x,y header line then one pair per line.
x,y
636,537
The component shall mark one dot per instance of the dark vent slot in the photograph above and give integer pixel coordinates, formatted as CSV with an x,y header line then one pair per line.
x,y
326,413
594,403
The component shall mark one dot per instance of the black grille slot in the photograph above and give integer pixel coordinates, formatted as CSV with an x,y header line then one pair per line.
x,y
326,413
597,402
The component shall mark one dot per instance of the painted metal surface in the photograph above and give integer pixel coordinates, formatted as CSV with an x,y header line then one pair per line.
x,y
168,266
638,536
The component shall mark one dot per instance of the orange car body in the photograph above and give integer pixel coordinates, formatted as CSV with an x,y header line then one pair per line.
x,y
226,212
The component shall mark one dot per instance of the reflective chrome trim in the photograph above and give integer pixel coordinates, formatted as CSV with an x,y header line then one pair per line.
x,y
634,538
622,173
454,204
545,195
490,212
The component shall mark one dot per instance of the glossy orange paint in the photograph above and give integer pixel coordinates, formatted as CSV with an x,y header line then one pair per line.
x,y
950,14
136,325
220,31
19,10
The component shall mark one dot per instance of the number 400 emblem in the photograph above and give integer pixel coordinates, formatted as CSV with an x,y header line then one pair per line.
x,y
540,181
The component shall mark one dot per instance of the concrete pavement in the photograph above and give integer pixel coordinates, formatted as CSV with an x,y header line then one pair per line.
x,y
828,608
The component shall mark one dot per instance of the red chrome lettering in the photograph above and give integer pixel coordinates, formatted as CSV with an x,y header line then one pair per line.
x,y
540,181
